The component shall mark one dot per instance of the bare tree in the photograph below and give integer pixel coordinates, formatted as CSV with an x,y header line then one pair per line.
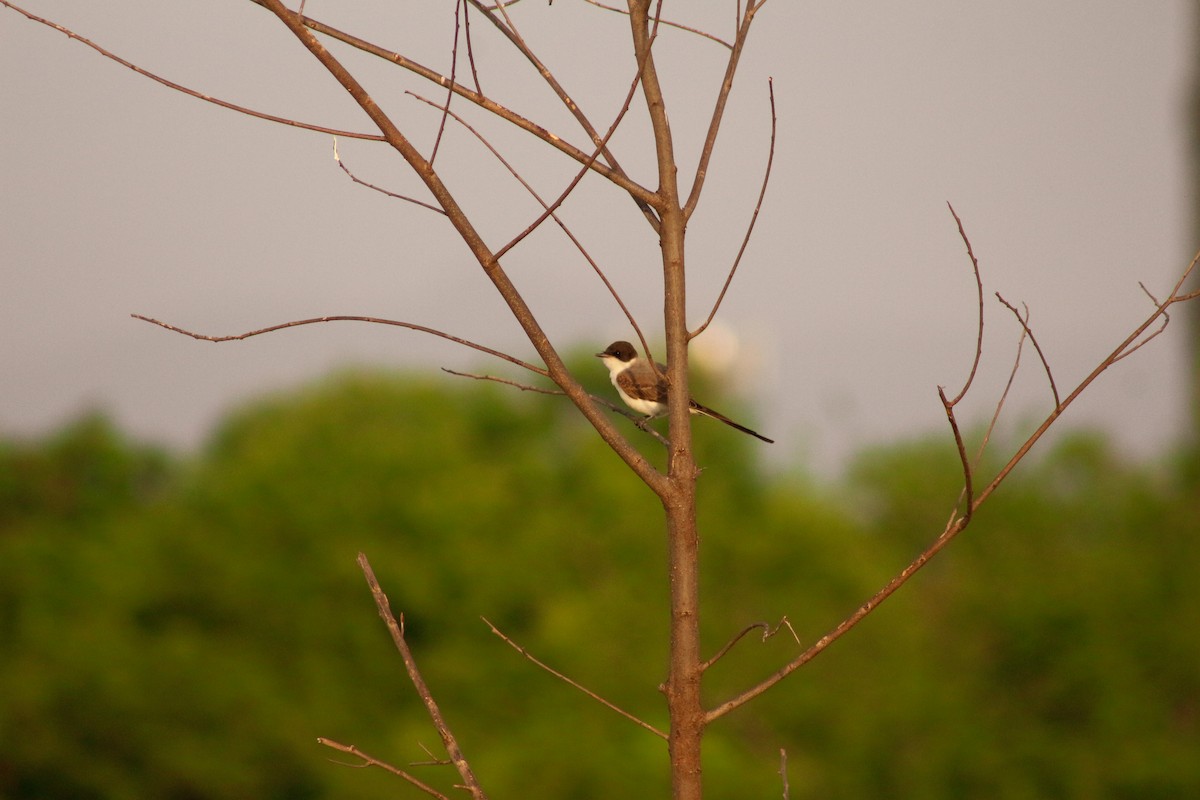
x,y
666,207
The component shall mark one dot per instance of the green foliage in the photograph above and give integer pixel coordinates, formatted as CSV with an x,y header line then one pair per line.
x,y
188,629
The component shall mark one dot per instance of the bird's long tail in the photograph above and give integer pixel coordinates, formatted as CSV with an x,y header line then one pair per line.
x,y
708,412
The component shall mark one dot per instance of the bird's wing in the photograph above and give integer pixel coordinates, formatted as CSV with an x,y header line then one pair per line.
x,y
645,386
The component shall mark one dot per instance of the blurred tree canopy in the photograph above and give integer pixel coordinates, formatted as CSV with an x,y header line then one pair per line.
x,y
186,627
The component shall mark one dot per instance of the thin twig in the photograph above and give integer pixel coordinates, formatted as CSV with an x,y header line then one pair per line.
x,y
956,524
633,416
347,318
414,675
968,481
601,146
70,34
1174,297
558,220
783,773
337,157
667,23
524,387
459,6
1036,346
606,703
767,630
1166,321
1012,374
714,125
471,53
617,176
371,761
979,326
753,217
505,25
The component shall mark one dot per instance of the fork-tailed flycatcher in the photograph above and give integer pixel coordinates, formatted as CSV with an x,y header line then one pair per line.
x,y
645,391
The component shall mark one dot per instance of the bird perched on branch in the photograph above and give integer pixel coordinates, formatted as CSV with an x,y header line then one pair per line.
x,y
645,391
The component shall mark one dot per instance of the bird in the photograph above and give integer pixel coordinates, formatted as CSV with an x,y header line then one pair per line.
x,y
645,391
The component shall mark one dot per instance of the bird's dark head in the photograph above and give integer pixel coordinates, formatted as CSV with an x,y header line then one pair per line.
x,y
621,351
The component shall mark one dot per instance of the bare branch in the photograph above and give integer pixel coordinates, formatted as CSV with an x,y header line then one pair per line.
x,y
714,125
1121,350
783,773
414,675
753,217
952,529
618,177
634,417
600,147
1165,322
506,27
550,212
987,435
185,90
471,237
767,630
569,681
968,488
1036,346
347,318
979,328
957,524
524,387
337,157
371,761
666,23
471,52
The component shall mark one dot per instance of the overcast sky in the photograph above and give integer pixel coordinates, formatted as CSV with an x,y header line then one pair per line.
x,y
1055,129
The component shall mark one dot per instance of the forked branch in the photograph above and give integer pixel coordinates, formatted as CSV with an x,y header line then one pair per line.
x,y
570,682
236,337
70,34
762,192
396,629
371,761
958,523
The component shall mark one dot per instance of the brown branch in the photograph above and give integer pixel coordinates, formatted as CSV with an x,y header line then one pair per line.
x,y
337,157
471,237
506,27
459,5
558,220
979,327
955,527
714,125
1121,350
1012,374
957,524
968,487
70,34
600,147
471,53
783,773
524,387
606,703
371,761
767,630
1166,321
753,218
633,416
666,23
414,675
347,318
1036,346
618,177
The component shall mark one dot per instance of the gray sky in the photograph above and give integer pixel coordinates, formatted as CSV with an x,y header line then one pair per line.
x,y
1055,129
